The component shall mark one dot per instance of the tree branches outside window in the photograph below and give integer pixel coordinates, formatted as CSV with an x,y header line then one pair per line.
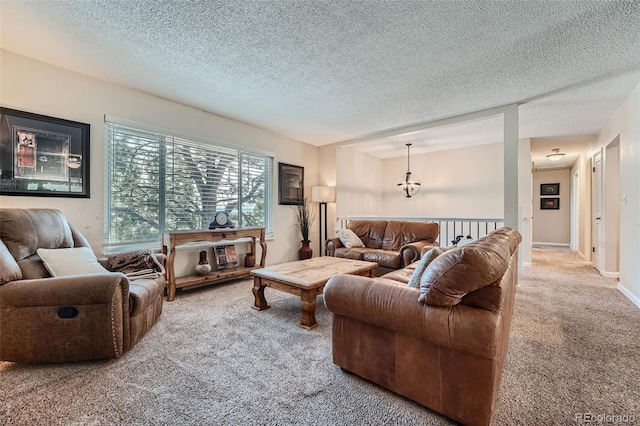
x,y
157,183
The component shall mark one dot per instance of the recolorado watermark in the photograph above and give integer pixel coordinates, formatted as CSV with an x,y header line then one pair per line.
x,y
604,418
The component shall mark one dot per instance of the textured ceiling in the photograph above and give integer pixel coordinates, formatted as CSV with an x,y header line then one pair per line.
x,y
331,71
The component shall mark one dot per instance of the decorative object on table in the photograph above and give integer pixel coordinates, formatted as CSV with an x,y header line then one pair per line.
x,y
323,195
203,267
43,156
221,219
290,184
549,189
304,220
250,260
550,203
226,256
408,185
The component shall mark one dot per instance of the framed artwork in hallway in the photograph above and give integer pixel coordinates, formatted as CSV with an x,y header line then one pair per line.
x,y
549,189
549,203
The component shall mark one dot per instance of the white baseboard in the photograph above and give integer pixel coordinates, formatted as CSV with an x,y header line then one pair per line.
x,y
610,274
634,299
550,244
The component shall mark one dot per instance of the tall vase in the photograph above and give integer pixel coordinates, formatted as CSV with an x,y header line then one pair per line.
x,y
305,252
203,267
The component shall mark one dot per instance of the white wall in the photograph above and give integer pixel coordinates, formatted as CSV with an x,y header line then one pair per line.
x,y
359,179
625,124
611,201
552,226
525,201
34,86
456,183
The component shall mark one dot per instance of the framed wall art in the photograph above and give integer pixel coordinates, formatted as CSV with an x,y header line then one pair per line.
x,y
549,203
43,156
549,189
290,184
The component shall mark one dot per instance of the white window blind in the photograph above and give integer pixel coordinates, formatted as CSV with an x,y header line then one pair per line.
x,y
159,182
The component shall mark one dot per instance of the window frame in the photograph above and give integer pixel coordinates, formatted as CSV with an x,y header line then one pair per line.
x,y
240,153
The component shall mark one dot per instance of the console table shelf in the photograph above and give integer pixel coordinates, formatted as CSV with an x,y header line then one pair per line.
x,y
178,238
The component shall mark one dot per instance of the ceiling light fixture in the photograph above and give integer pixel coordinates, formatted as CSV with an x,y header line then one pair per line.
x,y
407,185
557,155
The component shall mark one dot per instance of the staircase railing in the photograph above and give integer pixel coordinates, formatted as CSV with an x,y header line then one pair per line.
x,y
451,229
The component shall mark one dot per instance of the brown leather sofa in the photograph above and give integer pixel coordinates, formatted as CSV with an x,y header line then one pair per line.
x,y
47,319
392,244
445,351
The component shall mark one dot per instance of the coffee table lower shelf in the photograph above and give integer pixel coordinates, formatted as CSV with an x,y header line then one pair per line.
x,y
214,276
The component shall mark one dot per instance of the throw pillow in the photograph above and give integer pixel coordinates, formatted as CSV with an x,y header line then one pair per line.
x,y
70,261
422,266
462,270
349,238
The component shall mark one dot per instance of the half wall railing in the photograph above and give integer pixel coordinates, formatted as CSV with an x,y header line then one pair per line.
x,y
450,228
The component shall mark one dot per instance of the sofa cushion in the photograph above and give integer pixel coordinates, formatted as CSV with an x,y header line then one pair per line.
x,y
422,265
402,276
398,233
370,232
348,238
143,292
385,258
462,270
70,261
354,253
33,268
25,231
9,269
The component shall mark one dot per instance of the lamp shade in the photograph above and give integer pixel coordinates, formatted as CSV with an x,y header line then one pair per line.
x,y
323,194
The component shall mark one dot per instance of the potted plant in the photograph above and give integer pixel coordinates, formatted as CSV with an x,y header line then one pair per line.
x,y
304,220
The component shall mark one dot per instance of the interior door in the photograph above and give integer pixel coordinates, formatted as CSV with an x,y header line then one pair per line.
x,y
596,233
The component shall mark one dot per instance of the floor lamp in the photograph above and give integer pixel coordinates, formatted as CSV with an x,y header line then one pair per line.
x,y
322,195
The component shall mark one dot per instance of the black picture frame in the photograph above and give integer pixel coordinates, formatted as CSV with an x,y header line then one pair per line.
x,y
43,156
549,189
290,184
550,203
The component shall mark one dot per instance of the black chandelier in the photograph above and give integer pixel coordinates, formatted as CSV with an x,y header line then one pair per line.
x,y
408,185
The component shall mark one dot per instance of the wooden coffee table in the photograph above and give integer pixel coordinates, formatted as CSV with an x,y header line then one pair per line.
x,y
306,279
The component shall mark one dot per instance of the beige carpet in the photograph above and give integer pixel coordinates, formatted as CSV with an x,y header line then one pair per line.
x,y
212,360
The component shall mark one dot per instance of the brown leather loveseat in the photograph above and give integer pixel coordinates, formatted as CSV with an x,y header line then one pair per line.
x,y
442,345
392,244
67,318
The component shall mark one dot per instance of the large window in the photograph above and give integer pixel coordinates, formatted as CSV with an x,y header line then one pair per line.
x,y
158,182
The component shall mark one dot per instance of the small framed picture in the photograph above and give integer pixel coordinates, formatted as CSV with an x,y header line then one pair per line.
x,y
549,203
549,189
290,184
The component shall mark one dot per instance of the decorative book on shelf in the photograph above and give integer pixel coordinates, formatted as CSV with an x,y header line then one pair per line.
x,y
226,256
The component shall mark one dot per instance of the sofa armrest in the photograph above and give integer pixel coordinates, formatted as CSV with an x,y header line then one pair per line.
x,y
62,319
63,291
411,252
384,303
332,244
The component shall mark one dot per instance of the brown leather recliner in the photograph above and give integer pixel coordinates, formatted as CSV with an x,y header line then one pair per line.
x,y
392,244
46,319
442,345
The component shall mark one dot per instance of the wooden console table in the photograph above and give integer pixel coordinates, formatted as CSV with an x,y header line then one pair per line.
x,y
178,238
